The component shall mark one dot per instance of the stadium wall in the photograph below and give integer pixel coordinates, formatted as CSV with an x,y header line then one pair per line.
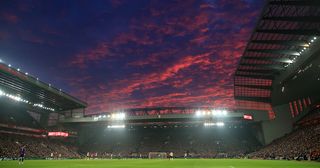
x,y
278,127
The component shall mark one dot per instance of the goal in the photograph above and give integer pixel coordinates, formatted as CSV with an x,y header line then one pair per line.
x,y
157,155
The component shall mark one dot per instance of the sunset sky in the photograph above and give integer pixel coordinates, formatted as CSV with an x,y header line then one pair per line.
x,y
130,53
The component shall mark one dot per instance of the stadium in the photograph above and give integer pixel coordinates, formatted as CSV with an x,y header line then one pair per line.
x,y
148,84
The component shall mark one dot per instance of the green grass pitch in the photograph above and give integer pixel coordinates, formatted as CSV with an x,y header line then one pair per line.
x,y
177,163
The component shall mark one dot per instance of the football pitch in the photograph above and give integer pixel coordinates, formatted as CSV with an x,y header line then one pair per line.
x,y
177,163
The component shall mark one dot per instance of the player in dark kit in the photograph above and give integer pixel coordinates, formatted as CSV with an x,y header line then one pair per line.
x,y
22,153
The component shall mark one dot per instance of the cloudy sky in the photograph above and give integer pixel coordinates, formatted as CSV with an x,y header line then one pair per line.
x,y
131,53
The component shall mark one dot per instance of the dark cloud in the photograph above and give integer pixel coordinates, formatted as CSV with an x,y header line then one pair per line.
x,y
9,17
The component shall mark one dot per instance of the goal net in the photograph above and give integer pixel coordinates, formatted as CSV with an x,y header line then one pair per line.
x,y
157,155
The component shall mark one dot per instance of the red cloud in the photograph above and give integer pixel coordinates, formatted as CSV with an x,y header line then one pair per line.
x,y
124,38
189,59
200,39
9,17
153,58
101,51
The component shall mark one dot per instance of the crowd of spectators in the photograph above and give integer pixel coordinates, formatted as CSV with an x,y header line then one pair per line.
x,y
196,142
301,144
136,142
35,147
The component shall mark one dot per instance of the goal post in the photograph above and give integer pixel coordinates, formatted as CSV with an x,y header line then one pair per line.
x,y
157,155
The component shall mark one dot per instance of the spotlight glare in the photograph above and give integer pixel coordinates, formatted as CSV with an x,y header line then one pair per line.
x,y
224,112
210,124
219,113
116,126
118,116
198,113
20,99
220,124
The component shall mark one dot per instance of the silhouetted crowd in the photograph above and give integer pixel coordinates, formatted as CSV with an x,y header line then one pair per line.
x,y
302,144
195,142
38,148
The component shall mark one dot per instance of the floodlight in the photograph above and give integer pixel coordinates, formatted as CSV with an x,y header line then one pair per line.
x,y
289,61
20,99
198,113
219,113
210,124
118,116
220,124
224,112
206,124
116,126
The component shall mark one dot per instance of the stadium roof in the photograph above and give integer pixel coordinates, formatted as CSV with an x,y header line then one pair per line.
x,y
34,93
285,30
164,115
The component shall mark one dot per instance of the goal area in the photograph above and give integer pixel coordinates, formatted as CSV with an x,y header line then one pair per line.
x,y
157,155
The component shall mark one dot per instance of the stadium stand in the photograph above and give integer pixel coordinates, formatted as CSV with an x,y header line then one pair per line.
x,y
18,128
37,147
26,107
301,144
204,143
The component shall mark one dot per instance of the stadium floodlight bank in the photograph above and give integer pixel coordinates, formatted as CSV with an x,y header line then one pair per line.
x,y
158,155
